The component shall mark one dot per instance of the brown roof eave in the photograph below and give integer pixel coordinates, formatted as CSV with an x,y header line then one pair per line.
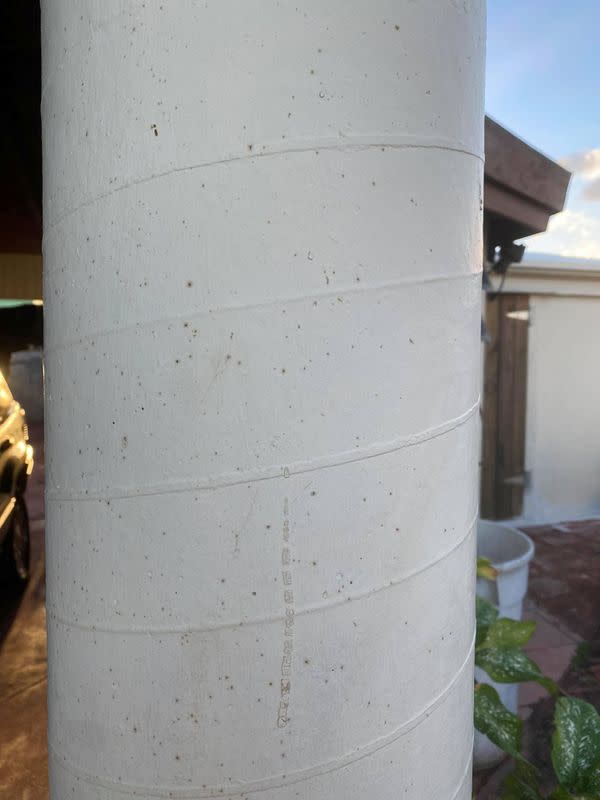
x,y
523,187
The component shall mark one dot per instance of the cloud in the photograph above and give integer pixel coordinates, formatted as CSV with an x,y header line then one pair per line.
x,y
570,233
586,165
591,191
575,232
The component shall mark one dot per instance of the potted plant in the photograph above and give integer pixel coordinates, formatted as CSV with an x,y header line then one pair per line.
x,y
575,748
503,569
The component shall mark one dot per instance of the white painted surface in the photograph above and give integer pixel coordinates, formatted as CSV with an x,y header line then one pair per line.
x,y
262,255
563,437
541,273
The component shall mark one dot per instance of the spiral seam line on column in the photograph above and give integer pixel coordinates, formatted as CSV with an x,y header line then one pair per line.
x,y
228,479
274,618
466,772
234,789
325,294
341,144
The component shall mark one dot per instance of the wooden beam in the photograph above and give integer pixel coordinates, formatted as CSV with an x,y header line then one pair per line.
x,y
512,393
489,413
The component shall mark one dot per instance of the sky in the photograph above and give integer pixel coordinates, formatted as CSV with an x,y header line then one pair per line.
x,y
543,84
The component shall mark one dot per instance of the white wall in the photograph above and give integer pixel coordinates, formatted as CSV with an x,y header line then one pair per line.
x,y
563,403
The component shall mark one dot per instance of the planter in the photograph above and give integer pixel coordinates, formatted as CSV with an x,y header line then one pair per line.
x,y
510,552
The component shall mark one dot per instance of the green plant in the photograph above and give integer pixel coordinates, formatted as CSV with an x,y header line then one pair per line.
x,y
575,757
575,747
582,655
498,648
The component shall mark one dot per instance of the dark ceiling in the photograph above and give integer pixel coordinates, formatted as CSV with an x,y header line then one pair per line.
x,y
20,127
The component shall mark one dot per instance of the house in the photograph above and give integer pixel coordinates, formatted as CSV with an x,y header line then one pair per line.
x,y
523,188
540,457
541,445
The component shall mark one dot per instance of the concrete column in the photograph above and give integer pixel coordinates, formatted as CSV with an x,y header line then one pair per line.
x,y
262,281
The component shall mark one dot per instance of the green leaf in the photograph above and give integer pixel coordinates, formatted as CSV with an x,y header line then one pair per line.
x,y
486,614
522,784
509,633
485,569
576,746
486,611
500,725
562,794
510,665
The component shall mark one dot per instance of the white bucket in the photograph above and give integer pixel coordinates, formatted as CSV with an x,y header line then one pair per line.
x,y
510,552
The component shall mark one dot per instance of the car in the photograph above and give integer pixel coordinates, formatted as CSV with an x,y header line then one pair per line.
x,y
16,465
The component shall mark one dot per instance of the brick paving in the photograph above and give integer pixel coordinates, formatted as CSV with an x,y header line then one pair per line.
x,y
564,580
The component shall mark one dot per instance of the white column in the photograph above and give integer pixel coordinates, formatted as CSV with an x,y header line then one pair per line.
x,y
262,254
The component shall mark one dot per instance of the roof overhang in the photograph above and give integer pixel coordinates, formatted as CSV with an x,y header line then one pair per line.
x,y
523,188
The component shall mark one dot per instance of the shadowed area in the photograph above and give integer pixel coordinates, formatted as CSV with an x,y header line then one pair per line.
x,y
23,756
